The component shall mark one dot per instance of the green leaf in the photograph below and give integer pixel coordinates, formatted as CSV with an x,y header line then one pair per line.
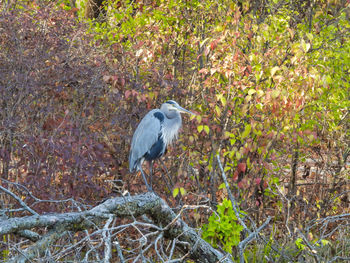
x,y
218,110
324,242
221,98
175,192
238,155
222,186
299,243
246,131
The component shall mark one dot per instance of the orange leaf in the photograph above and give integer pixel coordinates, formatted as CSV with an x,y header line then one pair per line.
x,y
214,44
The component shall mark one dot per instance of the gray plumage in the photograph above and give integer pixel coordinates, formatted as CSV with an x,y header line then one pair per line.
x,y
155,132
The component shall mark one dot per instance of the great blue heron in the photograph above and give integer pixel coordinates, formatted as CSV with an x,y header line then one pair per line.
x,y
153,134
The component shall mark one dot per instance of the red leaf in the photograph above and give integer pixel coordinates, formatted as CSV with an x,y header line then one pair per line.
x,y
122,82
127,94
106,78
235,176
265,184
203,71
257,181
242,167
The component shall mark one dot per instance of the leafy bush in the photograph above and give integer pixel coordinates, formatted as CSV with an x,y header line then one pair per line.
x,y
222,228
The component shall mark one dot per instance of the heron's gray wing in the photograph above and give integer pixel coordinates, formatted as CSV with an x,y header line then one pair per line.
x,y
146,134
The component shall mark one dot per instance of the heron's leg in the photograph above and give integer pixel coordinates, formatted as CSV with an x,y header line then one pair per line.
x,y
144,178
150,172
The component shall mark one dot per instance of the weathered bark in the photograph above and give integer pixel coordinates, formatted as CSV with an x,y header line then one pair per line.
x,y
144,204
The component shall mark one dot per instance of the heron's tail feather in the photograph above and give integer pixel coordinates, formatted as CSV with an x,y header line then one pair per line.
x,y
134,163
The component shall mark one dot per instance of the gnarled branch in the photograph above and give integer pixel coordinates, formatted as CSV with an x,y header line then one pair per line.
x,y
170,226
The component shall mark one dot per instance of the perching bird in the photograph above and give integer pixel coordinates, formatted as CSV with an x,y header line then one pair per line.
x,y
153,134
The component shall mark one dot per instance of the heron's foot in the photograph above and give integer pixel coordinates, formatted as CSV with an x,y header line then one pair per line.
x,y
149,188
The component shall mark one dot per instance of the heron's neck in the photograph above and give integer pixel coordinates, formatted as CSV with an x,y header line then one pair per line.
x,y
171,129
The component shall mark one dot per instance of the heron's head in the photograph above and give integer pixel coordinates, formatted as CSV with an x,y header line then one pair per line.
x,y
172,107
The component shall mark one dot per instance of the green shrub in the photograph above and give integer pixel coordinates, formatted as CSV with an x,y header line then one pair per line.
x,y
223,228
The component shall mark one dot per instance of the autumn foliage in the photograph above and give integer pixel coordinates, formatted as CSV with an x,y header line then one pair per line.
x,y
269,82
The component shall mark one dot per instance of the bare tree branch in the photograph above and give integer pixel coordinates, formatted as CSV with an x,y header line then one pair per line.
x,y
122,207
19,200
107,238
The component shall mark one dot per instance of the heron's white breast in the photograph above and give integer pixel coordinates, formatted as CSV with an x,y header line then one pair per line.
x,y
170,131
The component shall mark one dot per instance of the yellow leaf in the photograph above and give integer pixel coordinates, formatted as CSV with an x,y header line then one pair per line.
x,y
200,128
260,93
305,46
275,93
274,70
204,42
308,45
238,155
310,36
223,101
218,110
251,91
182,191
206,129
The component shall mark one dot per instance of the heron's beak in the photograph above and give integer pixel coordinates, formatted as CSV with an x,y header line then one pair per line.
x,y
180,109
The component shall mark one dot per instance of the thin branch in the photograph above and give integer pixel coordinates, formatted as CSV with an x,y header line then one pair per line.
x,y
119,250
252,235
40,246
107,238
345,259
19,200
31,235
160,236
310,246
